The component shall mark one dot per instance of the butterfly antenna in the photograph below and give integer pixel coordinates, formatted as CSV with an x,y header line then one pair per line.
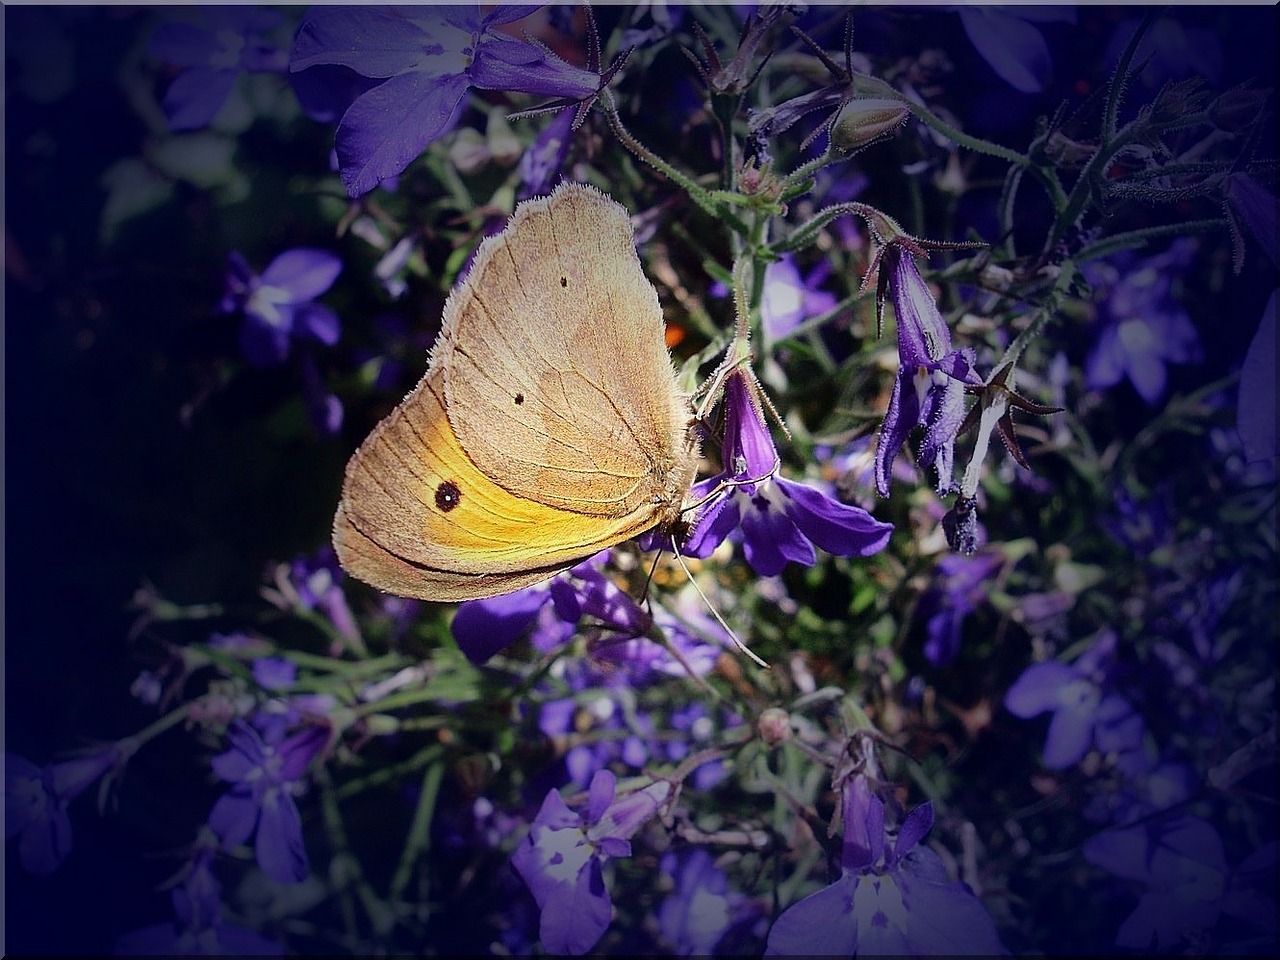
x,y
737,642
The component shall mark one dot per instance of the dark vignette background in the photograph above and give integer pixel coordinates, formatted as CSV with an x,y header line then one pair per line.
x,y
105,485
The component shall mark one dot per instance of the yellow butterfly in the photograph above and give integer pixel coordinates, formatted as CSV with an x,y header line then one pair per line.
x,y
548,426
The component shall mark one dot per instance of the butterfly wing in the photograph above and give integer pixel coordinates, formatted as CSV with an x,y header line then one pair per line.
x,y
557,378
417,518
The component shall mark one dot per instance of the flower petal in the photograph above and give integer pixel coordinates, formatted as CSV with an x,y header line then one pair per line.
x,y
280,850
384,130
841,529
304,272
822,924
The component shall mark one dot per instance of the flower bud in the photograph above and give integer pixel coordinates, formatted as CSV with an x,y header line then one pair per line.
x,y
774,726
1234,110
864,120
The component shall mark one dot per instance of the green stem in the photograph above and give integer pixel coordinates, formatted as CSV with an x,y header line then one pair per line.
x,y
418,843
1137,238
696,193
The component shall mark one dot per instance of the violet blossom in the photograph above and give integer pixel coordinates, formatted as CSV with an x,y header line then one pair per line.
x,y
789,299
1190,887
277,305
421,63
929,388
212,46
562,859
703,907
198,927
957,591
264,778
1085,712
36,799
893,896
777,520
1145,328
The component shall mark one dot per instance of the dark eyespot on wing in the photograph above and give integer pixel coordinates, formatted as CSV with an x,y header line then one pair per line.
x,y
448,496
519,399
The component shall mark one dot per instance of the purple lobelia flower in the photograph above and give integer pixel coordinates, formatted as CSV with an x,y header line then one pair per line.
x,y
277,305
929,389
703,907
956,592
789,299
541,163
778,520
1144,326
36,798
892,898
562,859
198,928
421,62
1084,711
1191,888
212,45
264,778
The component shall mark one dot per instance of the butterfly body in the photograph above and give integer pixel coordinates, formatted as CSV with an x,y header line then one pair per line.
x,y
548,426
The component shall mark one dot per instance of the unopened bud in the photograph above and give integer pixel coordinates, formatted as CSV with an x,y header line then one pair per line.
x,y
864,120
774,726
1234,110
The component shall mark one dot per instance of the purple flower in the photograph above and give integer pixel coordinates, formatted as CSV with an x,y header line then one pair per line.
x,y
619,626
789,299
541,163
264,779
277,305
778,520
1014,48
956,593
1144,327
423,61
929,388
562,859
212,46
1084,712
36,799
198,928
702,908
1190,886
315,583
892,898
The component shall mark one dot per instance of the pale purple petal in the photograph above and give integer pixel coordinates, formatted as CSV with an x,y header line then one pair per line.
x,y
1070,734
902,416
716,521
840,529
513,65
297,752
483,627
196,95
280,850
576,917
770,540
822,924
318,322
305,272
233,818
384,130
1014,49
375,42
1036,690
